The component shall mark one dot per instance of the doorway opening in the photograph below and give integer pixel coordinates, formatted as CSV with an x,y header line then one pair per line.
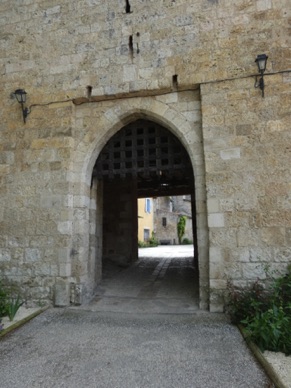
x,y
144,160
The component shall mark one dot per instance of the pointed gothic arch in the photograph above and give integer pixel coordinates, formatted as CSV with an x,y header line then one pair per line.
x,y
143,159
109,120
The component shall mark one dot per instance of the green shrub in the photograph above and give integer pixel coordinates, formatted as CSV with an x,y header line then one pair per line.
x,y
264,312
9,304
270,329
12,306
3,301
152,242
142,244
246,302
186,241
181,227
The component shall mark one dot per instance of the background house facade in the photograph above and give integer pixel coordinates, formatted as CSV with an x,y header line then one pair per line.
x,y
145,219
167,211
183,69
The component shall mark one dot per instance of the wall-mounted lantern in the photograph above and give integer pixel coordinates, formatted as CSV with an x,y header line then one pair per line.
x,y
261,61
20,95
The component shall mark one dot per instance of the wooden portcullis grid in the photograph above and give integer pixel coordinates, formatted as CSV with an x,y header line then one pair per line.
x,y
146,151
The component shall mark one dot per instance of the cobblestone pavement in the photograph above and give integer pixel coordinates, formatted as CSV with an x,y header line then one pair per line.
x,y
143,330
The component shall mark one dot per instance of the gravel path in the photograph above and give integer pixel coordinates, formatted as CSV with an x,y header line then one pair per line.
x,y
81,348
282,366
144,329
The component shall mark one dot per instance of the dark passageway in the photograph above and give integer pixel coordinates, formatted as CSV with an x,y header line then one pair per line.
x,y
144,159
163,280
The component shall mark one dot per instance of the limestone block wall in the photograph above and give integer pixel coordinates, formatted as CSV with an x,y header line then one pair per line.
x,y
169,232
143,64
171,208
54,49
36,204
247,160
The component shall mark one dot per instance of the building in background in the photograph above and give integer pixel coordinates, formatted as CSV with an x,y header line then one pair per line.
x,y
145,219
167,211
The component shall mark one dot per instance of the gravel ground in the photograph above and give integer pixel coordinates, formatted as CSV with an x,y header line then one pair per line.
x,y
281,365
79,348
139,333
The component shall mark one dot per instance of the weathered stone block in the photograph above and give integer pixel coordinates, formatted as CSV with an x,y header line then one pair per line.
x,y
65,269
5,255
32,255
213,205
65,227
216,220
253,271
233,153
62,293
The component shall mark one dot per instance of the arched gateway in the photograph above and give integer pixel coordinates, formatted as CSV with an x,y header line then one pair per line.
x,y
142,160
166,62
139,153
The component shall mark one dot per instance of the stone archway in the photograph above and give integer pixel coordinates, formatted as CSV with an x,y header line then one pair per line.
x,y
143,159
105,121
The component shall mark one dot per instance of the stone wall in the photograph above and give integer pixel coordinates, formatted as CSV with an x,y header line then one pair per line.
x,y
247,157
168,234
56,48
171,208
169,61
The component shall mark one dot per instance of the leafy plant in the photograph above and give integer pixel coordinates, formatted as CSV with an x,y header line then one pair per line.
x,y
245,302
181,227
186,241
265,312
9,304
13,306
270,329
152,242
3,301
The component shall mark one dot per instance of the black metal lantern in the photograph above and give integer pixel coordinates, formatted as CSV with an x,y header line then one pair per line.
x,y
20,95
261,62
